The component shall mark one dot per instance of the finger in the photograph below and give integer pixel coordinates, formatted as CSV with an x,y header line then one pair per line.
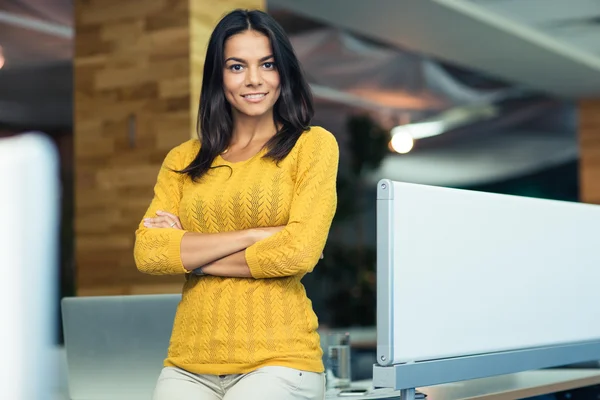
x,y
156,222
175,219
171,218
172,223
166,223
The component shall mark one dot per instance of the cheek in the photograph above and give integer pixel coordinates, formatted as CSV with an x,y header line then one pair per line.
x,y
228,95
275,83
231,83
277,95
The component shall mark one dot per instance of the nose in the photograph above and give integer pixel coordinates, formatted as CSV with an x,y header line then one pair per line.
x,y
253,77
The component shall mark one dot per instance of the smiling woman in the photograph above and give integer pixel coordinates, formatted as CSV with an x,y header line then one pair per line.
x,y
244,212
250,79
237,66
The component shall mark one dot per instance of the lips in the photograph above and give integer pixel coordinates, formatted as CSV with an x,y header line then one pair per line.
x,y
254,96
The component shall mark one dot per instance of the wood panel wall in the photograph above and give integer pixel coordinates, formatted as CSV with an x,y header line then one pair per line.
x,y
202,20
138,70
589,139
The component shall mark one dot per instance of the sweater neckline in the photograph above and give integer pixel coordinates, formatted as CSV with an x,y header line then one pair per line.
x,y
241,162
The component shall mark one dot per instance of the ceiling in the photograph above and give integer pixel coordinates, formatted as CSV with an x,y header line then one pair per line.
x,y
536,126
36,39
400,61
574,23
36,32
484,35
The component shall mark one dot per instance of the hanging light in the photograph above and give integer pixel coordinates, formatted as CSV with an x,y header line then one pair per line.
x,y
402,142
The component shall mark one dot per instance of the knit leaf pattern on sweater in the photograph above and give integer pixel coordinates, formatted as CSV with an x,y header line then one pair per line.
x,y
234,325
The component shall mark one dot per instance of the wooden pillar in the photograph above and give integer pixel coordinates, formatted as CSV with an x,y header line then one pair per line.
x,y
589,148
138,70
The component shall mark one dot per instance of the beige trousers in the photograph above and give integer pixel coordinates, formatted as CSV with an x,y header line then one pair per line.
x,y
268,383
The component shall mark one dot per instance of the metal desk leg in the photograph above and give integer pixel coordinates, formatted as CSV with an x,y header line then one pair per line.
x,y
407,394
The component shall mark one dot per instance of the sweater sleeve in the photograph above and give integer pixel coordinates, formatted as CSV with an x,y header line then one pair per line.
x,y
157,251
297,248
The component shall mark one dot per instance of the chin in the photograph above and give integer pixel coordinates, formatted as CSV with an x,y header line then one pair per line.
x,y
255,112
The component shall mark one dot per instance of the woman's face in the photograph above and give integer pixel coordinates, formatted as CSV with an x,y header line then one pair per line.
x,y
250,78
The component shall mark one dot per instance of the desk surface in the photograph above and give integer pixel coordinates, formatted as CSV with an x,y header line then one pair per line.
x,y
515,386
506,387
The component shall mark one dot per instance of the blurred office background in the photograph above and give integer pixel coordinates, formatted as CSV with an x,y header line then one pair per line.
x,y
492,95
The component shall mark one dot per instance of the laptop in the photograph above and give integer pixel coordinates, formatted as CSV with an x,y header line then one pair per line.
x,y
115,345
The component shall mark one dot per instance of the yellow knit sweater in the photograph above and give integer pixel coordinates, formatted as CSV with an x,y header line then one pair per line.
x,y
234,325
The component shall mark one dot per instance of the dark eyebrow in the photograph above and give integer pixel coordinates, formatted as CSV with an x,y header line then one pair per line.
x,y
240,60
267,58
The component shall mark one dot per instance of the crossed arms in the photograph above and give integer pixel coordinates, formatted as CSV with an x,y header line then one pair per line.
x,y
164,247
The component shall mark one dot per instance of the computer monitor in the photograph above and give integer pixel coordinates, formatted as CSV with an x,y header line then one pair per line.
x,y
29,231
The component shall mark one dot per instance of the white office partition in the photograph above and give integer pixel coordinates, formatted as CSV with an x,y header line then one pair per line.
x,y
28,260
473,284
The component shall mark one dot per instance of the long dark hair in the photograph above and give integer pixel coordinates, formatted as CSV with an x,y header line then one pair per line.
x,y
292,112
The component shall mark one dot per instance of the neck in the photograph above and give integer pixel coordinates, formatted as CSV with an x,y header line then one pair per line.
x,y
247,130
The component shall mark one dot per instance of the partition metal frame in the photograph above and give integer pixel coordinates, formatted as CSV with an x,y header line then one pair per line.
x,y
408,376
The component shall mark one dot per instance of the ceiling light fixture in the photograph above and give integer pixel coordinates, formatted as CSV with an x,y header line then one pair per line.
x,y
403,136
420,130
402,142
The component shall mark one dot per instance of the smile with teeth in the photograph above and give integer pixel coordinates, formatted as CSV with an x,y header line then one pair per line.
x,y
254,96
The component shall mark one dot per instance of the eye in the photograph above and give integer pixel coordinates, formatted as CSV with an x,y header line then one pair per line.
x,y
269,65
236,67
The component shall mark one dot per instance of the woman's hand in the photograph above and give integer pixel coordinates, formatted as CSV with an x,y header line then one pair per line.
x,y
163,219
